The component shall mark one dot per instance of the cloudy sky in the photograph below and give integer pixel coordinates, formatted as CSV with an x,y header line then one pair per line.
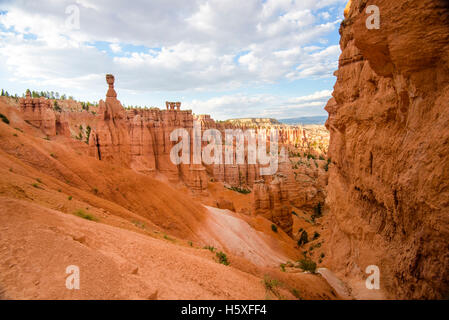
x,y
227,58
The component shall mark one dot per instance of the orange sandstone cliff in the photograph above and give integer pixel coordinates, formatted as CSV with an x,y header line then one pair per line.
x,y
388,192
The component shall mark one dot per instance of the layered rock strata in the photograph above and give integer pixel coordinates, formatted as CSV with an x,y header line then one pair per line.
x,y
140,140
388,191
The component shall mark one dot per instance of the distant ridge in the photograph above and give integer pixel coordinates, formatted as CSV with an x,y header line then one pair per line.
x,y
254,121
304,120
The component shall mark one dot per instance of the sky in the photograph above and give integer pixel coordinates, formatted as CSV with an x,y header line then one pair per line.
x,y
226,58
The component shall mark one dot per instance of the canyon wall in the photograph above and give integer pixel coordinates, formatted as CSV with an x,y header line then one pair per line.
x,y
139,139
388,192
271,200
39,113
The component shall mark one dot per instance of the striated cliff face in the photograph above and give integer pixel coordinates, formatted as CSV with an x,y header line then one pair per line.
x,y
388,191
139,139
271,200
39,113
56,117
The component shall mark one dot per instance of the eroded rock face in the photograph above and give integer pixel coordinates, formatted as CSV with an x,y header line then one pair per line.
x,y
39,113
52,120
225,204
271,200
139,139
388,191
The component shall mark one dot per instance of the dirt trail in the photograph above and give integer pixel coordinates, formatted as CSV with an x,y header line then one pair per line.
x,y
228,231
351,290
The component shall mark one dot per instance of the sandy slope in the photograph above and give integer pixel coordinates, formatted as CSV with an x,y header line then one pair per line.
x,y
37,244
237,236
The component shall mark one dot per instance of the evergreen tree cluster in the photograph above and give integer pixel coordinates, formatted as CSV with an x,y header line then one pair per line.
x,y
5,93
138,107
38,94
87,105
47,94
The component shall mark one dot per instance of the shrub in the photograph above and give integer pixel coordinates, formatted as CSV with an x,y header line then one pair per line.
x,y
240,190
222,258
326,166
210,248
70,197
296,294
317,211
294,213
56,107
307,265
4,118
167,238
282,265
139,224
274,228
80,213
88,131
303,239
271,285
316,235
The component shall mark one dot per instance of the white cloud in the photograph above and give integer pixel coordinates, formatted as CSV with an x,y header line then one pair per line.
x,y
319,95
318,64
164,45
115,47
262,105
325,15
